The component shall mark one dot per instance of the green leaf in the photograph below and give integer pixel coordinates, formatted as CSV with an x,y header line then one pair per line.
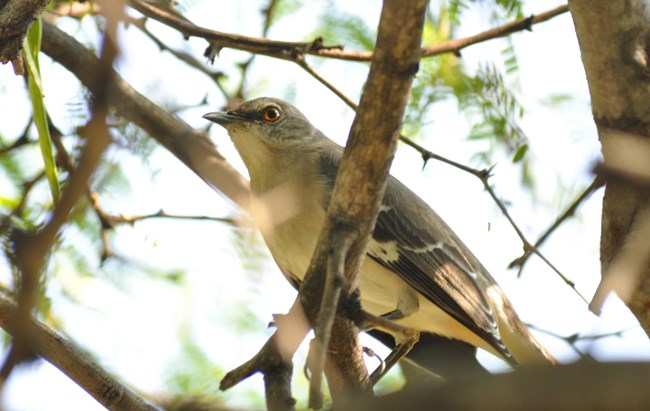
x,y
9,203
31,48
520,153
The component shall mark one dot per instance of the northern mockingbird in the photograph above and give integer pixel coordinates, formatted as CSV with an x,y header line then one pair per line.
x,y
417,272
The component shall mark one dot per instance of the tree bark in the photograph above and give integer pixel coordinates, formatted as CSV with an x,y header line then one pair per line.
x,y
16,17
583,386
614,38
361,181
72,361
192,147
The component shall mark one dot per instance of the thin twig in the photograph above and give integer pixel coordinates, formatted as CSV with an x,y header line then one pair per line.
x,y
182,56
484,176
278,49
287,50
111,220
569,212
20,142
572,339
526,23
300,60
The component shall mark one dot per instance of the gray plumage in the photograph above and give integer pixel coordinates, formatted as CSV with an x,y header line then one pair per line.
x,y
418,273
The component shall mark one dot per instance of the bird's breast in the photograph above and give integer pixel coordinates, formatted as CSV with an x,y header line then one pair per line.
x,y
290,218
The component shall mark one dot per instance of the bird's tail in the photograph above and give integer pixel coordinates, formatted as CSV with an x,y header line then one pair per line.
x,y
523,346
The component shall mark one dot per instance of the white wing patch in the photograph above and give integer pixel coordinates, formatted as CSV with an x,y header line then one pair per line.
x,y
386,251
426,249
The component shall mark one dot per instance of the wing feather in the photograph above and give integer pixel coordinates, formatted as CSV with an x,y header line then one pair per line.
x,y
429,256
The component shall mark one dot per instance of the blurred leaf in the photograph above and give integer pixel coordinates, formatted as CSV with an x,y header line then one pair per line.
x,y
506,10
497,108
284,8
340,27
556,100
520,153
455,9
513,8
510,61
31,48
7,202
437,78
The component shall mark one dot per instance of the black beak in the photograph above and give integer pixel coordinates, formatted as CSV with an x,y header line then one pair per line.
x,y
219,118
223,119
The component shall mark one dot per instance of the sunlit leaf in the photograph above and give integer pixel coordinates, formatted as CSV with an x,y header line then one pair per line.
x,y
31,48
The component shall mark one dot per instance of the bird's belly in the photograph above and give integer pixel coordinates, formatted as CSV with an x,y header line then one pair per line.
x,y
380,288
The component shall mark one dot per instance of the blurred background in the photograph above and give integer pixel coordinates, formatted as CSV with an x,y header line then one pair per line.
x,y
170,303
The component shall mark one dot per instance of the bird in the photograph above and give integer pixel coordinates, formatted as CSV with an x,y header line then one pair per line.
x,y
417,272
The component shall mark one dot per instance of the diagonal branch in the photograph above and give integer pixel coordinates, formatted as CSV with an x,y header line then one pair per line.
x,y
288,50
484,176
72,361
218,40
361,180
30,250
190,146
597,183
456,45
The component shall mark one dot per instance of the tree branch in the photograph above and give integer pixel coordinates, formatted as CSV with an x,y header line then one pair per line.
x,y
29,250
288,50
16,17
597,183
193,148
274,360
102,386
616,60
218,40
484,176
456,45
360,185
582,386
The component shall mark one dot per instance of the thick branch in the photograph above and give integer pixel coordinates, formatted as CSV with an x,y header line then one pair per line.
x,y
583,386
362,176
16,17
274,360
614,39
73,362
192,147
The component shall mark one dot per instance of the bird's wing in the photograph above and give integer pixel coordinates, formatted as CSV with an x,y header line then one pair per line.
x,y
414,242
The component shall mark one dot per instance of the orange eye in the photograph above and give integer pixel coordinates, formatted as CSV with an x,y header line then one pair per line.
x,y
271,115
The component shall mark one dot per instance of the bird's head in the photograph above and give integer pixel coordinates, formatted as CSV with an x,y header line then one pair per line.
x,y
270,135
266,120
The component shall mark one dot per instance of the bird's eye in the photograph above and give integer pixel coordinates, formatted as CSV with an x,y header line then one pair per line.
x,y
271,114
